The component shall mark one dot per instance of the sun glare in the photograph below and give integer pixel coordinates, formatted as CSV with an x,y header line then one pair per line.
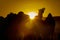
x,y
32,15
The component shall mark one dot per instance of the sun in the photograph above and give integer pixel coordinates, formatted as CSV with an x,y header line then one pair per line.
x,y
32,15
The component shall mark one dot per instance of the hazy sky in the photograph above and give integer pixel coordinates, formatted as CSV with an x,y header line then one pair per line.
x,y
7,6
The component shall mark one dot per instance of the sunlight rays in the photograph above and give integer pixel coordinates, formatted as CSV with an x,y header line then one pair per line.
x,y
32,15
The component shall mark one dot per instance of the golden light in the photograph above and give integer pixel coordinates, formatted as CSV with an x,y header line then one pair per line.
x,y
32,15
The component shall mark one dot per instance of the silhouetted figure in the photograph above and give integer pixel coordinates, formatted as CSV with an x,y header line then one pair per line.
x,y
7,22
12,28
14,25
51,22
46,26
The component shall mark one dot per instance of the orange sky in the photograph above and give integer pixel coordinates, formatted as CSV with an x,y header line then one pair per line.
x,y
7,6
